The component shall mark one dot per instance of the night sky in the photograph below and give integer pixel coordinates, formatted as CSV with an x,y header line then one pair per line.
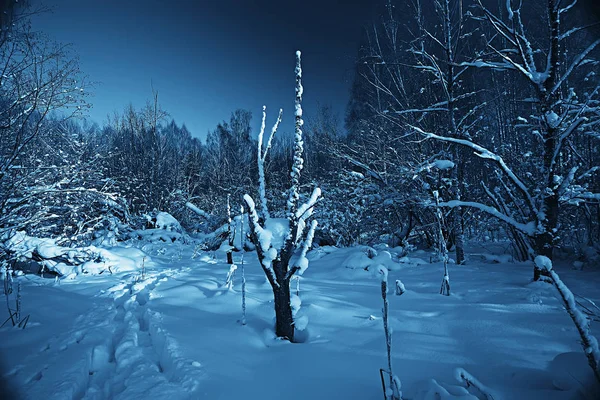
x,y
207,58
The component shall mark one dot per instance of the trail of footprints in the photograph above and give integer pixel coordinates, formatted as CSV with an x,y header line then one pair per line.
x,y
130,357
140,356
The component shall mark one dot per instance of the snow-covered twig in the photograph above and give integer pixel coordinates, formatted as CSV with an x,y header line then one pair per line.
x,y
463,376
445,288
301,263
400,289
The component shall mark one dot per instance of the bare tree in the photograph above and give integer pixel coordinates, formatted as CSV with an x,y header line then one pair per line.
x,y
560,114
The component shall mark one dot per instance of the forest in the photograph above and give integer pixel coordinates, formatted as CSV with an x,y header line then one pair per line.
x,y
468,154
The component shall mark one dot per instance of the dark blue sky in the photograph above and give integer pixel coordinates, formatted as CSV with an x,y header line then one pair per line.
x,y
207,58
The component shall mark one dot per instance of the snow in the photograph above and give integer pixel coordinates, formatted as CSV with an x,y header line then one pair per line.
x,y
167,222
277,229
552,119
195,209
443,164
302,264
175,333
69,261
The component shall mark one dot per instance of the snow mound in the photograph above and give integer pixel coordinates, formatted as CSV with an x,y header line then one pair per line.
x,y
167,222
571,373
73,261
162,227
357,259
433,390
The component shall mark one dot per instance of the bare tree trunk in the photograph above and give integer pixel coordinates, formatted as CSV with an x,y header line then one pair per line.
x,y
284,321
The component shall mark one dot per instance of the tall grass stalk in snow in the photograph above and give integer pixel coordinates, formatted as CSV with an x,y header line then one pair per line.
x,y
391,392
589,342
230,274
14,316
8,289
242,241
230,234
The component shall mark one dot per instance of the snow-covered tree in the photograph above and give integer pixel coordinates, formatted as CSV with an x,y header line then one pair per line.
x,y
282,244
549,63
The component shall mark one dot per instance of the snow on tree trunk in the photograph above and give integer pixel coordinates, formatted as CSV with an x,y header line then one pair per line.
x,y
589,342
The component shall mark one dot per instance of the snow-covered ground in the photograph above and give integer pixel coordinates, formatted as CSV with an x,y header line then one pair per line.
x,y
175,333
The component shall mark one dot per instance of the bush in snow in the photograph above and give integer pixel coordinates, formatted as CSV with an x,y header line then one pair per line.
x,y
160,227
277,240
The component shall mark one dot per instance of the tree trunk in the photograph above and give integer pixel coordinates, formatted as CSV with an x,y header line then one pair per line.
x,y
544,242
284,322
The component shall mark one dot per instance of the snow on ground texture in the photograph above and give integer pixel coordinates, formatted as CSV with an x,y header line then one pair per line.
x,y
175,334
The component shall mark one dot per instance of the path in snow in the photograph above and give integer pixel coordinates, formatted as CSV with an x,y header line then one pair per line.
x,y
117,349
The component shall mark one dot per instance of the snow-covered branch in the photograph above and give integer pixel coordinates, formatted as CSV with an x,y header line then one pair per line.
x,y
528,229
301,263
292,202
262,239
196,210
588,341
575,63
486,154
262,156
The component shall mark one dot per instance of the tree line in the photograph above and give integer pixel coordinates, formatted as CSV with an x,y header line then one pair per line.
x,y
492,105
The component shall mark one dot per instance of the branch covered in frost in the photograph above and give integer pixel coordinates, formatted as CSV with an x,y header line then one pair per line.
x,y
298,162
196,210
301,263
589,342
262,240
485,153
576,62
262,156
305,212
528,229
463,376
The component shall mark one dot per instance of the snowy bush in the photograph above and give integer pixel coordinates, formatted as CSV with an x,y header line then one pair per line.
x,y
50,257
